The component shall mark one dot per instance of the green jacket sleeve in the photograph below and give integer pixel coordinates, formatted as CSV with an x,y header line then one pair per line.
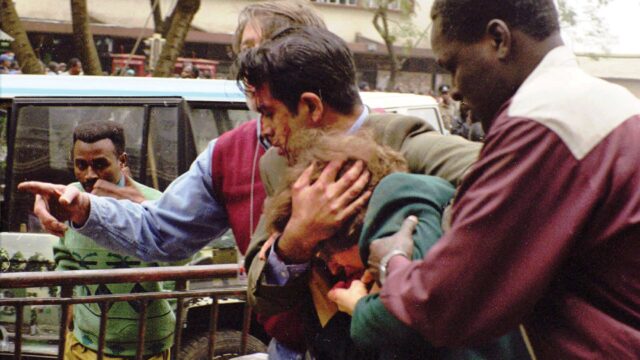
x,y
374,328
396,197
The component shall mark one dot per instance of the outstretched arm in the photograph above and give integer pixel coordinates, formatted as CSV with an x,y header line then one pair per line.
x,y
184,219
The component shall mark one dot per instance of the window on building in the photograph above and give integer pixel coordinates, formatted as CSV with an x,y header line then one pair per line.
x,y
393,5
338,2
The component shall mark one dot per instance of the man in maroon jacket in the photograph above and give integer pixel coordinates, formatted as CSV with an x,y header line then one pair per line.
x,y
545,231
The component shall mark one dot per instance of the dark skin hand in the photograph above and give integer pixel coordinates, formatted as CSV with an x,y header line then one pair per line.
x,y
401,240
109,189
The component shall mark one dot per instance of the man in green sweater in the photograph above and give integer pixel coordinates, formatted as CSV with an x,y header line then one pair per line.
x,y
99,161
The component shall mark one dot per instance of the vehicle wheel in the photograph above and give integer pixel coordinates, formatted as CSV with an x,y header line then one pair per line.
x,y
227,346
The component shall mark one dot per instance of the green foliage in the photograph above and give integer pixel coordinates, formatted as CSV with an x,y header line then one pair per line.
x,y
394,31
18,263
4,260
582,23
399,32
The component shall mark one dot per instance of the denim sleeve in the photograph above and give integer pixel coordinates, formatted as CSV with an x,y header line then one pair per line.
x,y
279,273
183,220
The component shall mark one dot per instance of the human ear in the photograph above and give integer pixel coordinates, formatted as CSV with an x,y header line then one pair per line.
x,y
123,159
500,35
314,106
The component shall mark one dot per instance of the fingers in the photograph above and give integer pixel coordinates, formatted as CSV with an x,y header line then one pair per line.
x,y
330,172
347,299
69,196
49,223
336,295
356,205
353,181
367,277
43,188
408,226
104,188
267,245
373,271
305,177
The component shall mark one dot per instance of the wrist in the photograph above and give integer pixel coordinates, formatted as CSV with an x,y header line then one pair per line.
x,y
80,216
291,250
383,268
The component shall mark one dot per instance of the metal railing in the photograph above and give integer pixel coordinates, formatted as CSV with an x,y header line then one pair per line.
x,y
67,280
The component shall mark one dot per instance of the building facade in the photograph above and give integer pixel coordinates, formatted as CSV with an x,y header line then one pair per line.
x,y
118,24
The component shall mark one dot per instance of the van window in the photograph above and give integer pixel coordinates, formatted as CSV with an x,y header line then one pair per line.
x,y
162,153
44,134
42,148
208,124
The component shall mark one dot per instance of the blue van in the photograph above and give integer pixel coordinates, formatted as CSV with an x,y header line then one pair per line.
x,y
167,123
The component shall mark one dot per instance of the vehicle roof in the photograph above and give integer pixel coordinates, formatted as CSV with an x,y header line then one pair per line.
x,y
90,86
391,100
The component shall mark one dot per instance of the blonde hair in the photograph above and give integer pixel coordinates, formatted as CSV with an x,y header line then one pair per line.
x,y
272,16
319,148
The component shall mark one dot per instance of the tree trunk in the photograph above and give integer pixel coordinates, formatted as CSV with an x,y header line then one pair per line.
x,y
158,24
83,39
11,24
381,23
178,29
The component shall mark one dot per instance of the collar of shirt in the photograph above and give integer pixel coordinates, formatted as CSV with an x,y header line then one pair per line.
x,y
561,56
358,124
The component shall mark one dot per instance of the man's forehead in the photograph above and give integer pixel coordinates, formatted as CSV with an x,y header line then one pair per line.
x,y
84,148
263,96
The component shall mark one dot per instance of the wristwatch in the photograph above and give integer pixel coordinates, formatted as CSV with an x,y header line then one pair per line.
x,y
382,269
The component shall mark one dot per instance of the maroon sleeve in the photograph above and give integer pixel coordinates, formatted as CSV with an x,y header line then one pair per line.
x,y
505,243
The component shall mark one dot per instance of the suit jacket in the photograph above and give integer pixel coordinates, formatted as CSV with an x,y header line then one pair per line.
x,y
426,151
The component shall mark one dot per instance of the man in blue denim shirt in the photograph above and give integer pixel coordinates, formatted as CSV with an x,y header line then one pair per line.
x,y
187,216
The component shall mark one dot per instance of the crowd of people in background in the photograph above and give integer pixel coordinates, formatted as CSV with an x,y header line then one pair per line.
x,y
9,65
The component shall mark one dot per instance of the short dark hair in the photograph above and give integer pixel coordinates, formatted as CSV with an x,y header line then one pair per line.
x,y
298,60
274,15
97,130
466,20
73,62
53,66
